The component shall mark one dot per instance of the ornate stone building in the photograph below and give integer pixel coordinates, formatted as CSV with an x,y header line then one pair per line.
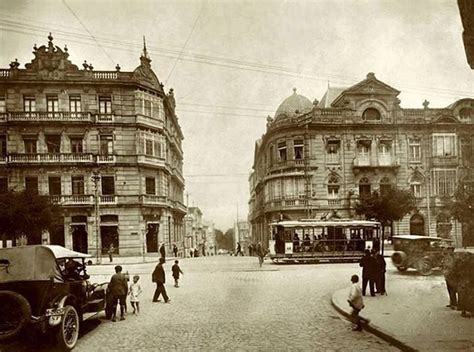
x,y
315,159
104,145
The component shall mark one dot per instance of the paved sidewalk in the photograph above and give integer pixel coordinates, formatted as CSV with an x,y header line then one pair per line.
x,y
413,315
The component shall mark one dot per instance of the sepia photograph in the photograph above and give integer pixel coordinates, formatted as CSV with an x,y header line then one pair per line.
x,y
236,175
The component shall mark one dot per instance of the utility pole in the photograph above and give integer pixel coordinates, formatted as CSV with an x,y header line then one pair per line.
x,y
96,178
307,175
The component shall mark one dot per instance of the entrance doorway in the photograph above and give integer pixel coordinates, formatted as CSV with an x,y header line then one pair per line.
x,y
152,238
109,235
79,238
417,225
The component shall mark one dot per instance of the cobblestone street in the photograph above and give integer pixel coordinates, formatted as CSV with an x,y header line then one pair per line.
x,y
229,303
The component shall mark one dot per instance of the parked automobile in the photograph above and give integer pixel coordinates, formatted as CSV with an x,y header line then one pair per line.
x,y
423,253
46,288
222,251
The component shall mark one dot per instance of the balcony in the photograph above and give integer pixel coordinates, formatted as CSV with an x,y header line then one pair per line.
x,y
153,199
45,116
444,161
108,199
3,159
334,202
381,163
104,118
151,160
106,159
3,116
149,121
74,199
50,158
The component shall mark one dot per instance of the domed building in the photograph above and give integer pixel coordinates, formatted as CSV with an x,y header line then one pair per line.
x,y
316,159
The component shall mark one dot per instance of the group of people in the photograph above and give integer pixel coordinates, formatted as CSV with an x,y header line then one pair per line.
x,y
118,288
373,272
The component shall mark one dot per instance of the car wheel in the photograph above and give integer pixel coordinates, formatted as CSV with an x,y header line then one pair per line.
x,y
15,312
402,268
424,267
68,331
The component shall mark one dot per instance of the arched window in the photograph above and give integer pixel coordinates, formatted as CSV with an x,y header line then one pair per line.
x,y
333,187
385,185
415,185
371,114
364,187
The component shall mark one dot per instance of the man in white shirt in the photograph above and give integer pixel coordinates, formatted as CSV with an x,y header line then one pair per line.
x,y
356,302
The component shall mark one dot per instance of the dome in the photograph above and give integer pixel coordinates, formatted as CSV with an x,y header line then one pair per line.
x,y
294,105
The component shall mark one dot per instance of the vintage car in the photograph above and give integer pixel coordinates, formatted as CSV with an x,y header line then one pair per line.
x,y
46,288
420,252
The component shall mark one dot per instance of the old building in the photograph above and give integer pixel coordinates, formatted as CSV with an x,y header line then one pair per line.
x,y
317,158
104,145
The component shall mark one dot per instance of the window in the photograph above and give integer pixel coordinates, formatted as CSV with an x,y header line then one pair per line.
x,y
75,105
54,185
52,103
150,185
31,184
29,104
332,152
444,182
444,145
147,107
363,152
385,185
282,151
272,155
148,146
76,145
105,105
333,188
415,189
371,114
385,153
466,113
108,185
3,185
364,187
299,145
30,145
415,150
3,145
106,144
3,106
77,183
53,143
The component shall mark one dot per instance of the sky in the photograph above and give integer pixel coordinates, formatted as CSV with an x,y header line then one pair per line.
x,y
231,63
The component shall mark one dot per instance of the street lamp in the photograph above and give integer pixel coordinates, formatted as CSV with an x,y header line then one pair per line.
x,y
96,178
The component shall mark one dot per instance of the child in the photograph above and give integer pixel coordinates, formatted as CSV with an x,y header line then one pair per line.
x,y
356,302
176,271
135,291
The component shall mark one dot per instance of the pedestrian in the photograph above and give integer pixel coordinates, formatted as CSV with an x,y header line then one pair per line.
x,y
238,250
110,252
448,262
191,252
368,265
135,291
176,271
118,289
159,278
196,253
163,251
356,302
251,252
261,252
381,266
175,250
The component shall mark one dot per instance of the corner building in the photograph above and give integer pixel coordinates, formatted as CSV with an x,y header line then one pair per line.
x,y
104,145
317,158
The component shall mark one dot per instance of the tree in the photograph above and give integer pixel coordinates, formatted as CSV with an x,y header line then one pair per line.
x,y
462,209
27,214
225,241
387,206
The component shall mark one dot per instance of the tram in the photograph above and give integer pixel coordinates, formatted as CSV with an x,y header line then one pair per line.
x,y
314,241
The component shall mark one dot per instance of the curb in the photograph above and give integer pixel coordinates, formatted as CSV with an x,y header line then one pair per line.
x,y
377,331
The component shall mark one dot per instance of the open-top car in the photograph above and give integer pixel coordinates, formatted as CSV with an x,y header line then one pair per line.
x,y
47,288
420,252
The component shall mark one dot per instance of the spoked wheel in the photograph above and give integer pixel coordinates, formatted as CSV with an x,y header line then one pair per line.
x,y
68,331
424,267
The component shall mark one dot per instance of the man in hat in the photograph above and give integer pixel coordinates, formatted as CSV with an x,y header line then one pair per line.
x,y
158,277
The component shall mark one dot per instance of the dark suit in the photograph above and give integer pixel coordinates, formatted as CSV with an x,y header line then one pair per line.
x,y
159,278
380,274
369,267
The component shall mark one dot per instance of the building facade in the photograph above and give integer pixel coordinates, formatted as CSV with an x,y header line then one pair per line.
x,y
317,158
104,145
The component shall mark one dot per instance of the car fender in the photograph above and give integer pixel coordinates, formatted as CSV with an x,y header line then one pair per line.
x,y
55,313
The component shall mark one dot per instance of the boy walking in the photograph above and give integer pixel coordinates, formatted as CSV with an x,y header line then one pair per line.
x,y
176,271
356,302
